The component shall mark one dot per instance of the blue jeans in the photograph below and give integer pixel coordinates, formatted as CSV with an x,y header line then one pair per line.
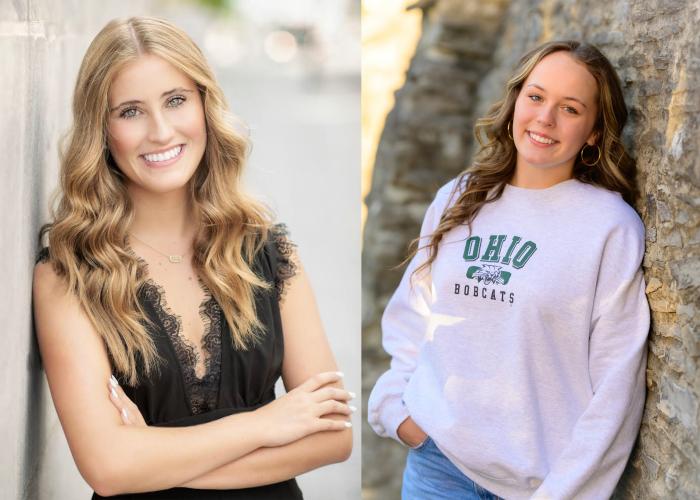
x,y
429,475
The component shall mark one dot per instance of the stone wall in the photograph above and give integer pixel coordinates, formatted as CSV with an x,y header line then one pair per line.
x,y
466,51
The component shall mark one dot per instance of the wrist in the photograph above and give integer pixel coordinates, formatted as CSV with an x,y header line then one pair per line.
x,y
420,443
414,441
410,433
253,427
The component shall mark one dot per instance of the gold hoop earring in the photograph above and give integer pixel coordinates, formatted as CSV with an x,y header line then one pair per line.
x,y
596,160
509,132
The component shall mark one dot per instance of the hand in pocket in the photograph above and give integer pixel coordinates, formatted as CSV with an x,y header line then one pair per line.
x,y
410,433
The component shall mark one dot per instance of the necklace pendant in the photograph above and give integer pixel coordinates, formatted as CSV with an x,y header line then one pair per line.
x,y
175,259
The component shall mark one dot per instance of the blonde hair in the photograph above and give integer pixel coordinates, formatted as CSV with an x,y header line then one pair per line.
x,y
494,162
88,236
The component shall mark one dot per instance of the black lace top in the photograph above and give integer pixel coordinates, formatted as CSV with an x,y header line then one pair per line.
x,y
201,392
233,381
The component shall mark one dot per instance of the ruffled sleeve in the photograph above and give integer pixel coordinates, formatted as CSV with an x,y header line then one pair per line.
x,y
282,250
42,256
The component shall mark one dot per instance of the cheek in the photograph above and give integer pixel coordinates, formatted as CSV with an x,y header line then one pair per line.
x,y
125,138
522,114
193,125
577,131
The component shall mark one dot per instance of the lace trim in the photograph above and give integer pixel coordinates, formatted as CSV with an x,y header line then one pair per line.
x,y
202,393
286,267
42,256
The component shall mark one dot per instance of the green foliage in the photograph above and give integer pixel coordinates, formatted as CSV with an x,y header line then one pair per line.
x,y
220,6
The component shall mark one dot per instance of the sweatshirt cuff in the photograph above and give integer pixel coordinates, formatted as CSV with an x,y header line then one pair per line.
x,y
387,423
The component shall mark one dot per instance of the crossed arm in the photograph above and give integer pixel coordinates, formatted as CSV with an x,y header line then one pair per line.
x,y
295,433
306,353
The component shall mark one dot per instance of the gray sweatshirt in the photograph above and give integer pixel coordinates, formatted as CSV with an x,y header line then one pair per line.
x,y
522,351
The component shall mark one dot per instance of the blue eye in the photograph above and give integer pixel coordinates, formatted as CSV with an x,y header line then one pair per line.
x,y
176,101
535,98
128,113
571,110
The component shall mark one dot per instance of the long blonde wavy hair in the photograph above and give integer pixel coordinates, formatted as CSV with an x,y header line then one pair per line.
x,y
494,162
87,239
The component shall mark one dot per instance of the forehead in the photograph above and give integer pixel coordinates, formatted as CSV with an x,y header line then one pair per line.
x,y
146,77
563,76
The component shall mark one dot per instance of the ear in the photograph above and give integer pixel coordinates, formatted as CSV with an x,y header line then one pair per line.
x,y
592,138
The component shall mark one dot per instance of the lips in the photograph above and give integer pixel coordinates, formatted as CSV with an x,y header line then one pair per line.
x,y
163,155
542,139
165,158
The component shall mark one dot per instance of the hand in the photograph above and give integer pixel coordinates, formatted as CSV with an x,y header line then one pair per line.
x,y
130,413
410,433
299,412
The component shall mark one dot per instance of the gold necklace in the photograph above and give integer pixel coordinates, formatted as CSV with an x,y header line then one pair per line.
x,y
175,259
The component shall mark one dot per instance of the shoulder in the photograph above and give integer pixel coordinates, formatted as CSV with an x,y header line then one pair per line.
x,y
51,294
59,317
613,212
57,311
617,223
449,192
446,196
453,188
46,282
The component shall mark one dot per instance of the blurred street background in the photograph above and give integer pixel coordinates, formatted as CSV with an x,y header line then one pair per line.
x,y
291,73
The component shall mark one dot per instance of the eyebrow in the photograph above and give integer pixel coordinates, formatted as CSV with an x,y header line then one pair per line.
x,y
569,98
168,92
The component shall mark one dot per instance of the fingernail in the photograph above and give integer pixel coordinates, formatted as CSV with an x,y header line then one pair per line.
x,y
125,415
348,424
352,408
352,394
113,381
340,374
114,393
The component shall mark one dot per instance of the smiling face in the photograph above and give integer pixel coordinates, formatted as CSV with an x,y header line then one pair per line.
x,y
156,125
554,116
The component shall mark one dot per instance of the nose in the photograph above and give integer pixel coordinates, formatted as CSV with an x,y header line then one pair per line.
x,y
546,116
160,129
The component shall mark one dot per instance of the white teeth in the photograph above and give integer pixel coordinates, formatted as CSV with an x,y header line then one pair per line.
x,y
540,139
172,153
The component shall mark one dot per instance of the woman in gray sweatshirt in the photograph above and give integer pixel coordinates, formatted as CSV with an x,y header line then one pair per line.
x,y
518,332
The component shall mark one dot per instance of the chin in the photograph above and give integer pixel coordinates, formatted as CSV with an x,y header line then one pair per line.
x,y
163,186
543,163
165,189
173,178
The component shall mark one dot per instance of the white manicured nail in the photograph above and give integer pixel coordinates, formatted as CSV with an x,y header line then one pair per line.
x,y
352,394
114,393
348,424
340,374
352,408
113,381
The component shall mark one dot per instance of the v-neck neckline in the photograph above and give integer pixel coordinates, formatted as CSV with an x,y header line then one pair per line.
x,y
177,318
187,343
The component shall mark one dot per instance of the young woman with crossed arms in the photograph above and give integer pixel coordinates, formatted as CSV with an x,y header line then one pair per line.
x,y
167,304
